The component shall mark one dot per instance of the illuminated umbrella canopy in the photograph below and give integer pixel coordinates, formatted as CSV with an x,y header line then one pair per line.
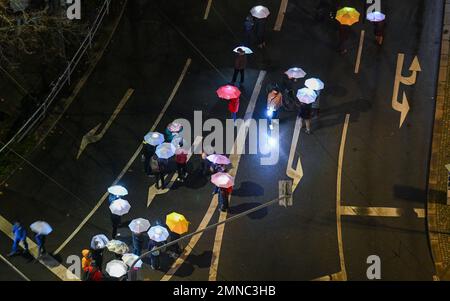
x,y
314,84
222,180
177,223
120,207
306,95
347,16
228,92
42,228
175,127
260,12
129,258
154,138
99,242
245,49
118,190
177,140
165,150
139,225
219,159
295,72
117,246
376,16
116,268
158,233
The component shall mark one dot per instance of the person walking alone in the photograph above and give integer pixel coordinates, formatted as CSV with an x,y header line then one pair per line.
x,y
240,63
233,107
181,157
20,235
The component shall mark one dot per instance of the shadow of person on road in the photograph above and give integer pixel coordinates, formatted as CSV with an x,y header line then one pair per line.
x,y
248,189
247,206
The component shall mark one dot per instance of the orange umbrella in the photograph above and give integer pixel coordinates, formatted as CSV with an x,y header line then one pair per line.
x,y
177,223
347,16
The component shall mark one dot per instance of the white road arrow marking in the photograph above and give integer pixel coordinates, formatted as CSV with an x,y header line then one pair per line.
x,y
91,137
153,191
403,107
295,174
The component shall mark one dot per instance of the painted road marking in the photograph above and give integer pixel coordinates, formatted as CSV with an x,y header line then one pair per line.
x,y
281,13
91,137
403,107
295,174
235,159
14,268
208,8
133,158
342,275
379,211
49,262
358,58
153,191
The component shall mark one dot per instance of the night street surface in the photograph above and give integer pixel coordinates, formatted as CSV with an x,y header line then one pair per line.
x,y
383,165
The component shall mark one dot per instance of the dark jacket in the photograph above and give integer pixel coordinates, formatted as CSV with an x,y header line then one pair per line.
x,y
240,62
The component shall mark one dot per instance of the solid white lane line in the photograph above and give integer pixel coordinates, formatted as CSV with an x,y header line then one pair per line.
x,y
235,160
49,262
342,273
281,13
133,158
14,268
358,58
208,8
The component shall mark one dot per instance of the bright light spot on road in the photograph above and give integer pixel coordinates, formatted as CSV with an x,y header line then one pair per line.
x,y
272,141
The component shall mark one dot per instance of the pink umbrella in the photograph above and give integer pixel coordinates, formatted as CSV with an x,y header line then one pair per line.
x,y
181,151
228,92
219,159
175,127
222,180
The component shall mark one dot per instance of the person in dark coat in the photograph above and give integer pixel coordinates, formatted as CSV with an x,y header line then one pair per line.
x,y
305,113
40,241
159,167
224,198
260,31
20,235
138,242
97,258
93,272
344,34
154,255
148,151
249,24
116,221
239,66
379,31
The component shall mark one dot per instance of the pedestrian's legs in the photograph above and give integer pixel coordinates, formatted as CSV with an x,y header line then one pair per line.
x,y
162,180
242,71
234,116
14,247
236,71
308,125
114,230
184,170
25,245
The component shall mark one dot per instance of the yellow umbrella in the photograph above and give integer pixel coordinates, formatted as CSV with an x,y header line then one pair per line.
x,y
347,16
177,223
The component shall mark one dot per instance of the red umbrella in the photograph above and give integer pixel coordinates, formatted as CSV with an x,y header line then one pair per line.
x,y
228,92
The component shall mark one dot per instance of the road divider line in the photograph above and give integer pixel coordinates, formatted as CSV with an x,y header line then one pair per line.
x,y
14,268
281,13
379,211
295,174
235,159
360,48
133,158
153,191
342,274
48,261
208,8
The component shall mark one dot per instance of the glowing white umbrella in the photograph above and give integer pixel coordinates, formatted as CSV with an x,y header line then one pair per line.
x,y
306,95
118,190
295,72
246,50
120,207
139,225
99,242
117,246
219,159
260,12
41,227
154,138
165,150
376,16
158,233
222,180
116,268
314,84
129,258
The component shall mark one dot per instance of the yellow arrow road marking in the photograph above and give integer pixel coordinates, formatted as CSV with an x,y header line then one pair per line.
x,y
379,211
295,174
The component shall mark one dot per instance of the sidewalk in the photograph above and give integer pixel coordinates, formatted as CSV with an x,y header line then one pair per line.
x,y
438,210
